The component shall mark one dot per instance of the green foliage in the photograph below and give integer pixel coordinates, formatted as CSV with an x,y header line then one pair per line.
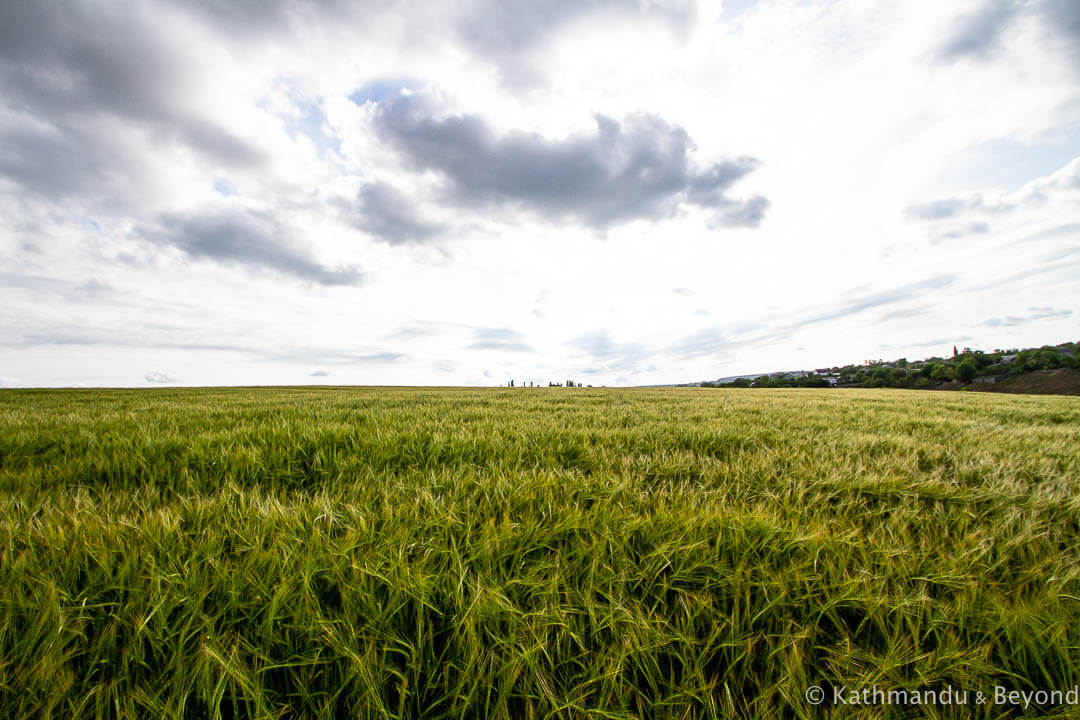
x,y
966,370
940,371
549,553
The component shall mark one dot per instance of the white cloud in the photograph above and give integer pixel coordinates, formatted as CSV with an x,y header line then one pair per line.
x,y
214,194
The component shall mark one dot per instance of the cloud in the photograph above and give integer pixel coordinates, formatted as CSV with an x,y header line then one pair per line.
x,y
978,34
239,18
87,74
1062,183
243,237
938,342
974,228
981,34
160,378
510,34
386,214
639,168
319,373
329,356
950,207
614,356
718,339
902,313
499,339
1034,313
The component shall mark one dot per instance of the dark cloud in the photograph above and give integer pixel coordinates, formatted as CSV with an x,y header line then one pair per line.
x,y
319,373
1034,313
980,34
78,78
243,237
639,168
511,33
254,17
499,339
385,213
59,163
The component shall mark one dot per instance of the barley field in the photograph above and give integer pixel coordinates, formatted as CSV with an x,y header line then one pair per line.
x,y
533,553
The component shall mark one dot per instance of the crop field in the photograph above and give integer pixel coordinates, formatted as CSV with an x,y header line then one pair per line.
x,y
534,553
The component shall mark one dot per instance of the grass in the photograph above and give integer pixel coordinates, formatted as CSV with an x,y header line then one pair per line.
x,y
407,553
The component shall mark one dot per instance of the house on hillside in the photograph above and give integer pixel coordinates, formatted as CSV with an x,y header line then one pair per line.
x,y
990,379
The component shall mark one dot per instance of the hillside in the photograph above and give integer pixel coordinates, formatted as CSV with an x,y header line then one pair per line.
x,y
1046,370
1062,381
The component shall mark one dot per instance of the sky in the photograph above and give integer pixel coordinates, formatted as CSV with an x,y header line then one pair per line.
x,y
618,192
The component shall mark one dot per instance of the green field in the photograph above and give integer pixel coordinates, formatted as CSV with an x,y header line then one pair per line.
x,y
407,553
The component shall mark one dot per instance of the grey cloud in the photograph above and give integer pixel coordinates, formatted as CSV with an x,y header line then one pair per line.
x,y
160,378
319,373
948,208
64,162
385,213
502,339
707,189
1034,313
639,168
979,34
246,238
259,17
510,33
943,209
87,74
742,214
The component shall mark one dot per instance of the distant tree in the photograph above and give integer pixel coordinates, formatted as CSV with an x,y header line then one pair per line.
x,y
966,370
941,371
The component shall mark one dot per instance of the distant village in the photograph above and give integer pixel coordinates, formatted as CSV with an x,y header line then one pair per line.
x,y
569,383
965,367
